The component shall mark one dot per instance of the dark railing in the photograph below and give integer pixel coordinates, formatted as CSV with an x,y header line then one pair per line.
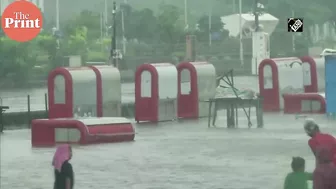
x,y
22,109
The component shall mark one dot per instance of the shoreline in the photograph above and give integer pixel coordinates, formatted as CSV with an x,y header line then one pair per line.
x,y
12,119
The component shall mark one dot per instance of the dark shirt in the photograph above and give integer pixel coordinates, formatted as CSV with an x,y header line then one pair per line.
x,y
60,177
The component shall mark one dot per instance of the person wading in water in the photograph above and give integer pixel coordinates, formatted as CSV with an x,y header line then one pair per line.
x,y
324,176
64,176
319,139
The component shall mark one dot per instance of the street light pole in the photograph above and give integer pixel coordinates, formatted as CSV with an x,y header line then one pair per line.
x,y
123,30
210,23
186,14
256,15
105,17
241,52
57,15
114,37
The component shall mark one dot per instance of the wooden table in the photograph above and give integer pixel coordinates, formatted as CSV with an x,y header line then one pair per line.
x,y
232,105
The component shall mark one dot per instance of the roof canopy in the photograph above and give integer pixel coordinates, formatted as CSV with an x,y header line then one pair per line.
x,y
267,23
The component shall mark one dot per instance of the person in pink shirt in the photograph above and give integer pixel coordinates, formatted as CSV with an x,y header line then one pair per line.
x,y
319,139
324,176
64,175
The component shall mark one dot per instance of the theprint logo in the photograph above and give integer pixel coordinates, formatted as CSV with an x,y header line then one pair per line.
x,y
22,21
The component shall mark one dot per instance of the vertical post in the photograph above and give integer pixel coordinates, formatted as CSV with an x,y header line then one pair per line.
x,y
46,104
1,120
105,17
241,54
114,38
101,31
215,113
259,112
57,15
186,14
232,109
210,15
209,112
28,113
236,114
256,15
123,30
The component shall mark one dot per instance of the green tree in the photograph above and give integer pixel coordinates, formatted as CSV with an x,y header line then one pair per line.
x,y
142,25
48,45
170,24
217,26
17,61
88,19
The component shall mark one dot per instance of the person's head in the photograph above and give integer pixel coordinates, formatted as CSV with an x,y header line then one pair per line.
x,y
63,153
298,164
311,127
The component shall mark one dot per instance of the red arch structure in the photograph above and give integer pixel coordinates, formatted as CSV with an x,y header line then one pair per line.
x,y
197,83
304,103
49,132
76,91
149,103
152,83
108,90
99,90
316,72
276,77
60,110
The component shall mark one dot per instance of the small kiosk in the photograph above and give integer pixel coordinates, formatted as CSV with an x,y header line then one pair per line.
x,y
277,77
50,132
196,85
156,92
313,74
72,92
109,88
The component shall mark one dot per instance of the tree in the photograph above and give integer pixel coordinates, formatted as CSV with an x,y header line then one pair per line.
x,y
142,25
17,61
170,24
88,19
217,28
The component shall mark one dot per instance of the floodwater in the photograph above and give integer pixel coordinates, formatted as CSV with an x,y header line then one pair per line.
x,y
185,155
17,99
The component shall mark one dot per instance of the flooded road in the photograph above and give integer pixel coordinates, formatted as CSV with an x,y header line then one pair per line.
x,y
17,99
185,155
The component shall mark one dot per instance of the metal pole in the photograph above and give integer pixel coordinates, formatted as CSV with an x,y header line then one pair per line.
x,y
57,15
210,22
101,31
240,34
256,15
186,14
123,31
114,38
105,18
